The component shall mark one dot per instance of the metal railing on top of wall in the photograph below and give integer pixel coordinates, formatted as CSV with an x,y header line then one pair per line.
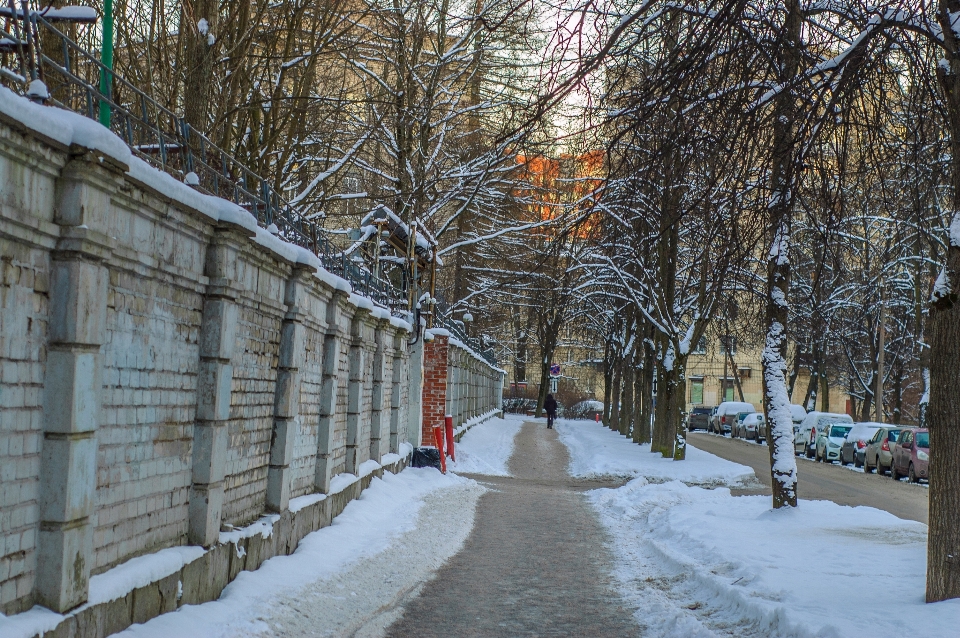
x,y
169,143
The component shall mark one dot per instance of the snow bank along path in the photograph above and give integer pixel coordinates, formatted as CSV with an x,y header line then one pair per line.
x,y
486,447
597,451
344,576
701,562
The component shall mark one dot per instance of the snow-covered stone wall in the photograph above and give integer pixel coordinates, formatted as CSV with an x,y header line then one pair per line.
x,y
167,368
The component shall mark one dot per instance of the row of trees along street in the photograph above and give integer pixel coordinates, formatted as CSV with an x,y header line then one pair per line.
x,y
629,176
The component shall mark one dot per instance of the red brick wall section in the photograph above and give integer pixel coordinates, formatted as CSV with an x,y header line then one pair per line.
x,y
434,385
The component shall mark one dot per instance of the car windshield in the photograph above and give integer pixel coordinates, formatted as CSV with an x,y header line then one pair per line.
x,y
839,431
892,435
923,439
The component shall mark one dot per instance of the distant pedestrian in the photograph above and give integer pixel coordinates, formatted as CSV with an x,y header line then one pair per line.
x,y
550,405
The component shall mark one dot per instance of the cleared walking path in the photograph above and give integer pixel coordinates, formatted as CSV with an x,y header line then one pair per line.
x,y
535,564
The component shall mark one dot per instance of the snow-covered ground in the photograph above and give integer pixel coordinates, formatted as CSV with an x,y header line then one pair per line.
x,y
599,451
702,562
346,579
486,448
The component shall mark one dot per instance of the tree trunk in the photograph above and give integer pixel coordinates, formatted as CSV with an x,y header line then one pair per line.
x,y
943,537
607,382
199,24
615,395
824,388
638,400
866,406
626,413
646,407
783,463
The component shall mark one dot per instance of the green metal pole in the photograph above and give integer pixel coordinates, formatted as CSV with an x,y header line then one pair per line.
x,y
106,58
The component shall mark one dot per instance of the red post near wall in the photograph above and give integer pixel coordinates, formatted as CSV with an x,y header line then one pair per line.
x,y
448,426
434,385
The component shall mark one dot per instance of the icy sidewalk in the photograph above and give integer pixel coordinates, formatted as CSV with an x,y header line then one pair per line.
x,y
599,451
343,577
701,562
486,448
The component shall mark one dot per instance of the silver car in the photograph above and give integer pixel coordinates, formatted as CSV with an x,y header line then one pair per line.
x,y
878,454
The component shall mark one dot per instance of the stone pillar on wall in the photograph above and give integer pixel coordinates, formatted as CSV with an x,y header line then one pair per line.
x,y
286,404
332,344
355,381
72,387
416,379
218,334
396,378
378,392
434,385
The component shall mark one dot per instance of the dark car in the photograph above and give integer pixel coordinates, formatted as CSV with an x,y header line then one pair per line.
x,y
699,418
911,455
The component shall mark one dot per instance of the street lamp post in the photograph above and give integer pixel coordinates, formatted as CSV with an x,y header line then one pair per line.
x,y
106,58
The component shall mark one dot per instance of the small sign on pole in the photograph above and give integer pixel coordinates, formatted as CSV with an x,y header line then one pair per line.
x,y
555,369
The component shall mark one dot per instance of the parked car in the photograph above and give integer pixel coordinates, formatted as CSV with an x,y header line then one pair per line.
x,y
805,438
878,455
699,418
738,430
796,412
726,415
911,455
750,426
588,409
853,447
829,441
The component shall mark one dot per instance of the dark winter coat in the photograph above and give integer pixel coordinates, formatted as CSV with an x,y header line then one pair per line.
x,y
550,405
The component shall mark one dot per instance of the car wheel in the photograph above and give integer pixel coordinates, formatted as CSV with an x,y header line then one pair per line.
x,y
894,474
867,468
856,461
912,475
880,469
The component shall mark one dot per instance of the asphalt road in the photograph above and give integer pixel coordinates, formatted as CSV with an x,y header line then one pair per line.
x,y
823,481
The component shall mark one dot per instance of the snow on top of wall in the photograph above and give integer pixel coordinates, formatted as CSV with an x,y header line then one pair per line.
x,y
341,482
68,128
460,344
262,526
390,459
298,503
64,127
139,572
368,467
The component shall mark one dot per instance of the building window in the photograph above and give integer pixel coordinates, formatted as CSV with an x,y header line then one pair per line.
x,y
744,373
696,391
701,347
733,345
726,389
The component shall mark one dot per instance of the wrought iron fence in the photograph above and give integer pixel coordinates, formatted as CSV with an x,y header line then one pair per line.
x,y
162,138
443,318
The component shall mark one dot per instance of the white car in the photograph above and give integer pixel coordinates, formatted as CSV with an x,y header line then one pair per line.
x,y
830,440
725,417
805,439
798,413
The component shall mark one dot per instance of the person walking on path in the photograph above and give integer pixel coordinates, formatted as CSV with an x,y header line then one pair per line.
x,y
550,405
